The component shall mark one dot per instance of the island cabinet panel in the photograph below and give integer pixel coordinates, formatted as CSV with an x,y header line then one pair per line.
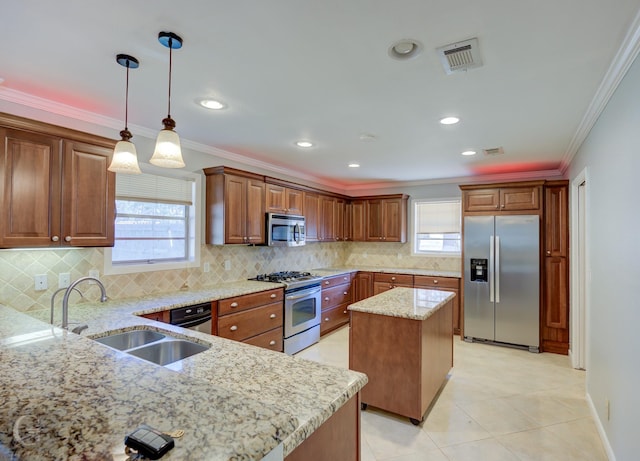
x,y
338,439
384,281
451,284
362,286
55,188
256,319
336,297
406,360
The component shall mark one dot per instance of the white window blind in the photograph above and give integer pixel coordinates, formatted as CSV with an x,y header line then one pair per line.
x,y
438,217
149,187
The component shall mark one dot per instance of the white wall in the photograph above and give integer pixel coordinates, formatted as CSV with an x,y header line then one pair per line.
x,y
611,154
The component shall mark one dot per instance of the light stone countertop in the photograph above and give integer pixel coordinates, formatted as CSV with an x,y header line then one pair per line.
x,y
329,271
234,401
407,303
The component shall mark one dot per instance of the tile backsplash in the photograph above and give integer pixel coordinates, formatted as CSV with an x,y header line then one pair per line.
x,y
18,268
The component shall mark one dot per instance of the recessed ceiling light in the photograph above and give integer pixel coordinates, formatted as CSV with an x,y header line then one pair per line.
x,y
469,152
304,144
449,120
212,104
354,165
405,49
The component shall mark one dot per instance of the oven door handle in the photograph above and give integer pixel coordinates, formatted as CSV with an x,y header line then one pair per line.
x,y
304,294
193,323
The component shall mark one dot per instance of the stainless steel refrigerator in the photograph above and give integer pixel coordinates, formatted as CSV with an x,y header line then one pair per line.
x,y
502,279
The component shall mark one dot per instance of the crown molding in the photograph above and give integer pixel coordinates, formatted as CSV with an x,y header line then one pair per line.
x,y
618,68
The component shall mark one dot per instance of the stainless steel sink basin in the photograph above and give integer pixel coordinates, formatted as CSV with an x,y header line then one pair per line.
x,y
130,339
166,352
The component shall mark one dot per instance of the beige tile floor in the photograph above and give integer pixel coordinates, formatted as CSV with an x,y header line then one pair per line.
x,y
498,404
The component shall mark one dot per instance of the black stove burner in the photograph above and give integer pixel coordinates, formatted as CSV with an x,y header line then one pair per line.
x,y
282,276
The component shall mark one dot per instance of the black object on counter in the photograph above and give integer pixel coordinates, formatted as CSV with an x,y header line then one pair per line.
x,y
149,442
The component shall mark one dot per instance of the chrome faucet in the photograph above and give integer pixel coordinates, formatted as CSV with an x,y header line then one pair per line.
x,y
65,298
53,299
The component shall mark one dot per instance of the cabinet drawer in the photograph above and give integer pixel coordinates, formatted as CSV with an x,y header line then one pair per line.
x,y
425,281
270,340
246,324
333,296
241,303
328,282
333,318
394,279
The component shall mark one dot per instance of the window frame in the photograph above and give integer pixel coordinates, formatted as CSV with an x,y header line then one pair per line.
x,y
194,230
414,223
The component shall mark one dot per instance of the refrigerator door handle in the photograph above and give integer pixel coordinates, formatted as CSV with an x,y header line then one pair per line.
x,y
497,270
491,270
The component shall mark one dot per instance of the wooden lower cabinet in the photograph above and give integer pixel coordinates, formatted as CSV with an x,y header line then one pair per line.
x,y
256,319
338,439
334,318
451,284
384,281
555,318
336,297
162,316
362,286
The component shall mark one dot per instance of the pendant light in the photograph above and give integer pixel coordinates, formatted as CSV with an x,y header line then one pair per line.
x,y
168,153
125,158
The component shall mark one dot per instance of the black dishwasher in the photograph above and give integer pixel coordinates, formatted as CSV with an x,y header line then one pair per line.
x,y
196,317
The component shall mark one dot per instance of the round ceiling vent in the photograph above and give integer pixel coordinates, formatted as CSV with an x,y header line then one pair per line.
x,y
405,49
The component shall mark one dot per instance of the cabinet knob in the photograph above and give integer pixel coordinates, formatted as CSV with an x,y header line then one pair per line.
x,y
233,328
272,316
326,298
234,304
55,238
273,295
67,238
326,282
344,312
503,205
345,293
549,252
435,282
384,238
497,206
393,278
272,343
326,319
344,278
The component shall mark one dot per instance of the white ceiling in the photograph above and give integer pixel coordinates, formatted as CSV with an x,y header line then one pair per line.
x,y
292,69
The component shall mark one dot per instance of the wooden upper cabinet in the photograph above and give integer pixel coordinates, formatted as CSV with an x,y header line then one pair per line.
x,y
347,226
327,219
358,221
339,211
556,225
280,199
502,197
386,219
235,207
312,216
63,183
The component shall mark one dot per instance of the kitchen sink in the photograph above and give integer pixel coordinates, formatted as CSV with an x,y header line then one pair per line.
x,y
166,352
152,346
131,339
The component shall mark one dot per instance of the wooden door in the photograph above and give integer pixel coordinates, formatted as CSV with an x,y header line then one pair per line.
x,y
347,227
362,286
255,216
88,191
327,218
358,221
312,212
392,221
375,224
275,199
235,209
294,201
519,198
30,166
338,220
556,226
481,200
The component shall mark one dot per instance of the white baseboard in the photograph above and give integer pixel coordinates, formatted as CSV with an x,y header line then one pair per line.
x,y
603,435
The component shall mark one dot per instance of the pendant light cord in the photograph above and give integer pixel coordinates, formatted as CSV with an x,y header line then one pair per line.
x,y
170,66
126,101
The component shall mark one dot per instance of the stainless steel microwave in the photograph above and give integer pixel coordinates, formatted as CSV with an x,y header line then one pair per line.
x,y
285,230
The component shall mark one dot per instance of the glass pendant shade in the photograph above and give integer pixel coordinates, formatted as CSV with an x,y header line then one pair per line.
x,y
168,153
125,158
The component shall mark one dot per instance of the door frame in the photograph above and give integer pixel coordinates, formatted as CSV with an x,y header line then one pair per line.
x,y
580,273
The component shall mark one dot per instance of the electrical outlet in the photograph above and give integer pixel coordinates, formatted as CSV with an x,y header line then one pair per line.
x,y
227,265
64,280
207,267
40,282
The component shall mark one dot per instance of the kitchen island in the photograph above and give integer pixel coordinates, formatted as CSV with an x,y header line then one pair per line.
x,y
403,340
70,397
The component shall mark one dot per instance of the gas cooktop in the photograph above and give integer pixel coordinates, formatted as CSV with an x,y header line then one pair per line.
x,y
291,279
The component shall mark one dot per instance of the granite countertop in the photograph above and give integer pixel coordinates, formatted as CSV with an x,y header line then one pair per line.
x,y
408,303
234,401
329,271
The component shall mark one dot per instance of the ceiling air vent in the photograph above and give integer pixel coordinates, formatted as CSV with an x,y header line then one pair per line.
x,y
460,56
493,151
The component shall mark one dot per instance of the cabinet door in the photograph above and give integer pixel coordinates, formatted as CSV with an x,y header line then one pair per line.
x,y
294,201
327,219
347,228
556,221
235,209
481,200
30,169
394,225
363,286
358,221
338,219
556,303
520,198
275,199
374,225
88,191
312,212
255,217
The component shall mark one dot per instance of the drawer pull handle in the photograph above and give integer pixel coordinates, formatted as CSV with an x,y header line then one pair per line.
x,y
273,295
272,316
272,343
344,312
326,319
326,298
326,282
435,281
345,278
345,293
234,304
233,328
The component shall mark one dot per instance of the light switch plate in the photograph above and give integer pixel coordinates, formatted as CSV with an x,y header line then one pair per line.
x,y
64,280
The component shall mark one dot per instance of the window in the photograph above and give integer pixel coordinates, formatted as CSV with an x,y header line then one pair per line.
x,y
157,222
436,226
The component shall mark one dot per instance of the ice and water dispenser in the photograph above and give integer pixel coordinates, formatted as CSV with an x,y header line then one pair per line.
x,y
479,272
